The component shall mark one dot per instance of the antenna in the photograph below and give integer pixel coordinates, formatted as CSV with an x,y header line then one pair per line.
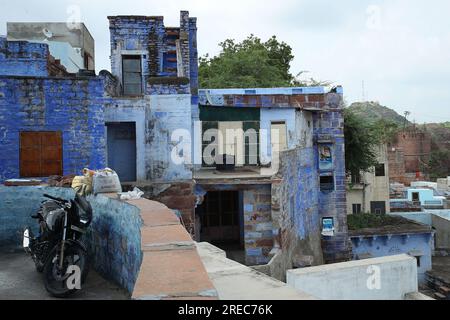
x,y
363,92
406,113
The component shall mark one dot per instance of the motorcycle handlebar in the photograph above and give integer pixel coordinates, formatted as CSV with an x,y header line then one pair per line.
x,y
54,198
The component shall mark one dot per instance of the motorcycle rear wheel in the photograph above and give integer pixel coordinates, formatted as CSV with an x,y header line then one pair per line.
x,y
56,281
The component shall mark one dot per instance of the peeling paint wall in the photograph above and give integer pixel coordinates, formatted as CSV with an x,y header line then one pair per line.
x,y
166,103
258,235
166,114
295,209
156,117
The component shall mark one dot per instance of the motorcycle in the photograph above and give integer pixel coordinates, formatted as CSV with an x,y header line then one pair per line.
x,y
58,251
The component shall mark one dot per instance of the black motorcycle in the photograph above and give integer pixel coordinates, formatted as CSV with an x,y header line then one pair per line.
x,y
58,251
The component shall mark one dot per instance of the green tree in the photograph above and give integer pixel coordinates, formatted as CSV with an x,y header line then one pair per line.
x,y
360,142
247,64
439,165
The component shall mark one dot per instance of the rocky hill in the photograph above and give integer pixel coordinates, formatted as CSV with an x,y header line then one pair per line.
x,y
372,111
440,133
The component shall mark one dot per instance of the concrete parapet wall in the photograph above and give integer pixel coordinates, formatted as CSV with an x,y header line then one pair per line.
x,y
386,278
17,204
114,240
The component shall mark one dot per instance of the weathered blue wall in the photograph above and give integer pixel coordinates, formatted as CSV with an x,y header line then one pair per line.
x,y
17,204
20,58
388,245
73,106
169,74
114,240
258,226
193,54
295,205
156,44
329,128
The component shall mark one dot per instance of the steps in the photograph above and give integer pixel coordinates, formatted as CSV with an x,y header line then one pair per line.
x,y
437,287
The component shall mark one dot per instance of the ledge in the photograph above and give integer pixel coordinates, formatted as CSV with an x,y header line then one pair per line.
x,y
171,266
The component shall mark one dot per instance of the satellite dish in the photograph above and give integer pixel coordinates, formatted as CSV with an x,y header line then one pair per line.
x,y
47,33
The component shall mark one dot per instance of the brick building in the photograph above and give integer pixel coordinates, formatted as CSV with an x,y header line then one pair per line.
x,y
409,155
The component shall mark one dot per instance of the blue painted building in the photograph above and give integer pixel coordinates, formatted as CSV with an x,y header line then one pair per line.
x,y
409,237
147,113
287,177
49,124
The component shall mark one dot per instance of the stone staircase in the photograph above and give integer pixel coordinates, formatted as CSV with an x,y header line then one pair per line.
x,y
436,286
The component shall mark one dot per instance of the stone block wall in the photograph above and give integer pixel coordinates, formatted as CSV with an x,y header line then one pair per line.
x,y
21,58
73,106
258,235
147,36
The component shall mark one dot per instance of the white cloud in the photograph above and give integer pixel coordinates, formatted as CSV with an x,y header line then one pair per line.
x,y
400,48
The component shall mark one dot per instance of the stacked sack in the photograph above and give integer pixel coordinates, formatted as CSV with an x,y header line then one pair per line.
x,y
99,181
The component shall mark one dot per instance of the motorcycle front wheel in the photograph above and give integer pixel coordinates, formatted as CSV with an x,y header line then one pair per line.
x,y
62,282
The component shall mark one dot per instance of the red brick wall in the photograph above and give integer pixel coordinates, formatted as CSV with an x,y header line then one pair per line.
x,y
409,155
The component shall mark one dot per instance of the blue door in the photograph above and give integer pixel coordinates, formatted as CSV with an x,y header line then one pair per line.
x,y
122,149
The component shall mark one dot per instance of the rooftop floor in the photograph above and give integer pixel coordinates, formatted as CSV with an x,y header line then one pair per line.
x,y
19,280
234,281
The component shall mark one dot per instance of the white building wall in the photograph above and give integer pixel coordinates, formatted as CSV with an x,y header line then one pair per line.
x,y
168,114
299,127
374,188
71,58
157,118
269,115
304,128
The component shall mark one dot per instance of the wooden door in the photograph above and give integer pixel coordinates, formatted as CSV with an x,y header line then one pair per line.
x,y
40,154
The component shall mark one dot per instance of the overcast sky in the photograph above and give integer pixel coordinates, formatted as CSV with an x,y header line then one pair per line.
x,y
399,48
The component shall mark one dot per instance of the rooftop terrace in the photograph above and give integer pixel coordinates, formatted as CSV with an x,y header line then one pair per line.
x,y
372,224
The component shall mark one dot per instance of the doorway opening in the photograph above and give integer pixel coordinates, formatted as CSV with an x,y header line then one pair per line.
x,y
222,225
121,139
